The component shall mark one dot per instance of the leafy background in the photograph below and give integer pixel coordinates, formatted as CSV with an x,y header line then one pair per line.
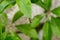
x,y
36,9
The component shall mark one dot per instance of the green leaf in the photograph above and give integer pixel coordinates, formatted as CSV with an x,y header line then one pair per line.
x,y
17,16
15,35
34,1
26,29
47,33
0,31
10,5
46,4
40,3
3,19
1,1
56,11
5,3
3,23
36,20
8,37
34,39
4,34
55,25
25,7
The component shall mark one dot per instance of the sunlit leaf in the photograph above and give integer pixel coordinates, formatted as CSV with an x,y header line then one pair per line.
x,y
25,7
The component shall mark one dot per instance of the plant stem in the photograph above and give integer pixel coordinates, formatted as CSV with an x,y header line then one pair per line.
x,y
30,20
